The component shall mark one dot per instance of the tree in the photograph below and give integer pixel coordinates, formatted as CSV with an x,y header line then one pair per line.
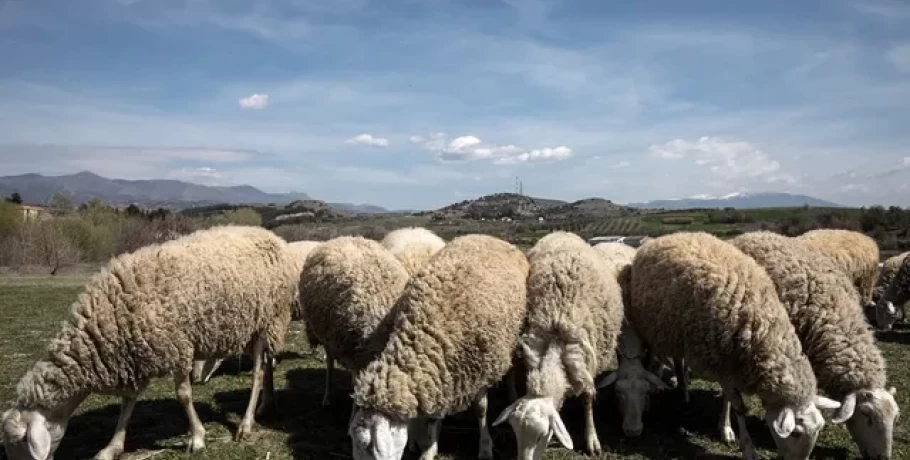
x,y
52,248
15,198
133,211
61,204
10,218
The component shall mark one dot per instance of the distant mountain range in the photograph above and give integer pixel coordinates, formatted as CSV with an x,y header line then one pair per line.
x,y
174,194
739,201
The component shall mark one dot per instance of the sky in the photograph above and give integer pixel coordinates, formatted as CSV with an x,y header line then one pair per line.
x,y
413,104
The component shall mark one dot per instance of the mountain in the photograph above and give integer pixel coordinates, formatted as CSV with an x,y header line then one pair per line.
x,y
85,186
360,208
739,201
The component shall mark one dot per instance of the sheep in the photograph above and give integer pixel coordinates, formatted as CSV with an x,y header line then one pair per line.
x,y
823,306
204,369
574,317
348,286
699,299
413,246
149,314
853,252
891,305
633,381
450,336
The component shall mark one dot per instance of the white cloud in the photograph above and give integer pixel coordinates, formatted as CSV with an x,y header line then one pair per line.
x,y
203,175
471,148
730,160
621,164
255,102
369,140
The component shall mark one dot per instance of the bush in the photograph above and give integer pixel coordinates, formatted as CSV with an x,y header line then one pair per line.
x,y
678,220
10,219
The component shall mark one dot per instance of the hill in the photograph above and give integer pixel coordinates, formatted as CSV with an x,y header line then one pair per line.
x,y
172,194
514,206
738,201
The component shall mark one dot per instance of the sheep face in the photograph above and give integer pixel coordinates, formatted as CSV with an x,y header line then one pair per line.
x,y
871,415
886,314
633,387
535,421
376,436
28,435
795,430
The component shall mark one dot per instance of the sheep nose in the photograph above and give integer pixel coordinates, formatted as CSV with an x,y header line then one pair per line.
x,y
633,432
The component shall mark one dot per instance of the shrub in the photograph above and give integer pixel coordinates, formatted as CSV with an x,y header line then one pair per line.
x,y
678,220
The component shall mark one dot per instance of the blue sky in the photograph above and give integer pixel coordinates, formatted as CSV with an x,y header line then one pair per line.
x,y
416,104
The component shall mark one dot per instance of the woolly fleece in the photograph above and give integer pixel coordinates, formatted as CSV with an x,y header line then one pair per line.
x,y
824,308
348,286
226,285
697,296
413,246
456,327
898,291
855,253
573,299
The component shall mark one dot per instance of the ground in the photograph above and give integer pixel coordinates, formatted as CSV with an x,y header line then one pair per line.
x,y
32,307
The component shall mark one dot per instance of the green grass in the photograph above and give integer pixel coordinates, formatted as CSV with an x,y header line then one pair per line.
x,y
31,311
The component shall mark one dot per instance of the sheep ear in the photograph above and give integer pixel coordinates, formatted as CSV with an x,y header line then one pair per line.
x,y
504,415
823,403
846,410
785,423
893,391
608,380
655,381
558,429
39,438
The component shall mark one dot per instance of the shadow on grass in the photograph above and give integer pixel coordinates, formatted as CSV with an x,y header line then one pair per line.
x,y
898,336
153,422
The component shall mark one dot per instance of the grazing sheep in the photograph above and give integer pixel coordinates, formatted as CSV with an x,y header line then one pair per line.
x,y
824,308
451,336
853,252
699,299
348,286
148,314
891,305
413,246
574,317
203,369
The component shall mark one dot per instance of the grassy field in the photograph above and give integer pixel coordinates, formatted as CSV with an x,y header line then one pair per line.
x,y
32,307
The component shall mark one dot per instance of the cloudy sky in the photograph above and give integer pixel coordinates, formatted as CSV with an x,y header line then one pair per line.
x,y
415,104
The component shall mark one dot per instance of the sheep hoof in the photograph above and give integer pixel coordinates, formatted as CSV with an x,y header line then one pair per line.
x,y
726,433
109,453
594,447
196,444
243,432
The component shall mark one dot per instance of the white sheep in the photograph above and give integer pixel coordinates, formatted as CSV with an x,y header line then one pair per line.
x,y
204,369
824,307
574,317
698,298
451,336
148,314
348,286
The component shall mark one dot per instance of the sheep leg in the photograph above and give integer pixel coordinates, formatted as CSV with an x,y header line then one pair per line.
x,y
268,389
511,386
184,386
115,447
486,441
329,370
739,409
682,378
726,431
246,425
593,443
435,426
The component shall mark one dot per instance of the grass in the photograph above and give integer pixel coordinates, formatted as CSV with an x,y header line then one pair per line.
x,y
31,310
